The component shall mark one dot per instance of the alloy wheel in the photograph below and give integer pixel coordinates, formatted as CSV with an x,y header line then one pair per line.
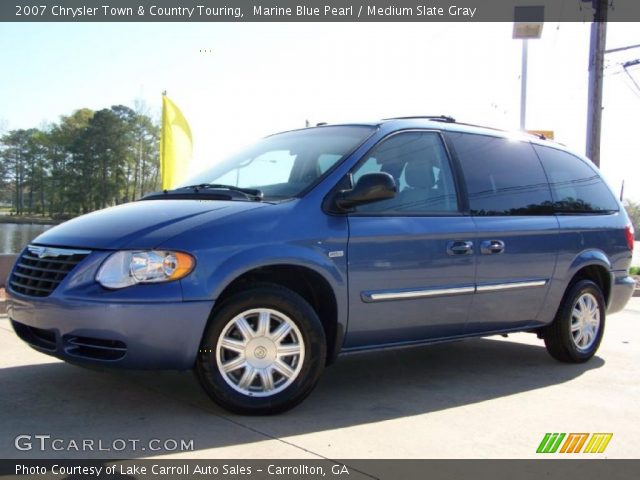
x,y
260,352
585,321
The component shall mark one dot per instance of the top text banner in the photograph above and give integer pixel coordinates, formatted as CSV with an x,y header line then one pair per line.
x,y
304,10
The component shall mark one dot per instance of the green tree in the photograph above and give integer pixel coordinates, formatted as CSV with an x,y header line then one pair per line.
x,y
16,153
36,174
63,199
88,160
5,180
146,176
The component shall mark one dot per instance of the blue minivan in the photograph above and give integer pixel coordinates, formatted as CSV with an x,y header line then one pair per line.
x,y
261,270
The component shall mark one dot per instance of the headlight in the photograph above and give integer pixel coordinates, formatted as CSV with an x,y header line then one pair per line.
x,y
126,268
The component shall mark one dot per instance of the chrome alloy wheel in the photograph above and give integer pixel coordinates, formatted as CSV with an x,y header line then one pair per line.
x,y
260,352
585,321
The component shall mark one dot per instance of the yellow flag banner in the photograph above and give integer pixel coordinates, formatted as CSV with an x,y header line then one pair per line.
x,y
175,145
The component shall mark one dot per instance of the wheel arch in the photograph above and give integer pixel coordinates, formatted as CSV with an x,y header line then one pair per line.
x,y
318,281
592,265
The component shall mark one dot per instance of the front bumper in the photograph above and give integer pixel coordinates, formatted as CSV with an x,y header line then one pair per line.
x,y
138,335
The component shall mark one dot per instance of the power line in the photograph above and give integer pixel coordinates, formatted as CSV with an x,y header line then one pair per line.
x,y
621,49
622,68
631,63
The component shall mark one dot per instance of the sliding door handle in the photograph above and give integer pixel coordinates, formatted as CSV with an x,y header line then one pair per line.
x,y
491,247
459,247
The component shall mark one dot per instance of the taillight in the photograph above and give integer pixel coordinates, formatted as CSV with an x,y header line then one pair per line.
x,y
630,233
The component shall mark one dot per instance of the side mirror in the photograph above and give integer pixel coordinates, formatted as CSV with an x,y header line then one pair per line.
x,y
371,187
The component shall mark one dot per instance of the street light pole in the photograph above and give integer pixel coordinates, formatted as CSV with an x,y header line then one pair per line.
x,y
523,83
528,23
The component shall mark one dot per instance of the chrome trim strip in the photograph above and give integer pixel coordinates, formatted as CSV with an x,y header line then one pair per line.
x,y
409,294
42,252
380,296
510,286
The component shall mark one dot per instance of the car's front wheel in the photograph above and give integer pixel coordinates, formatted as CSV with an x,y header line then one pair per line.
x,y
263,351
575,334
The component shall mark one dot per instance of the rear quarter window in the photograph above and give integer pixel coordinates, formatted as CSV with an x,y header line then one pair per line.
x,y
575,185
502,176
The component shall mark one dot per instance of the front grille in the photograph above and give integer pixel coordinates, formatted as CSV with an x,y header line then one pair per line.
x,y
41,269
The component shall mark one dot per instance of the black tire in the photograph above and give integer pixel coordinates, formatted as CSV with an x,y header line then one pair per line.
x,y
284,301
558,336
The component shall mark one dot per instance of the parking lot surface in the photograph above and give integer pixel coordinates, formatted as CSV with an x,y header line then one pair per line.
x,y
483,398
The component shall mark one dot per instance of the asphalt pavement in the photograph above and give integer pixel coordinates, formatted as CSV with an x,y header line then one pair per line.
x,y
483,398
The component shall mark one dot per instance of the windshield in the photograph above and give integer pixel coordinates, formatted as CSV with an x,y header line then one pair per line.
x,y
286,164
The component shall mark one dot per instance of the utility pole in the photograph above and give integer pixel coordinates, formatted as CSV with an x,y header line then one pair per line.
x,y
596,74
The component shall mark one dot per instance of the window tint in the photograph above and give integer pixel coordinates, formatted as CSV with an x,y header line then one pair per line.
x,y
575,186
503,177
419,164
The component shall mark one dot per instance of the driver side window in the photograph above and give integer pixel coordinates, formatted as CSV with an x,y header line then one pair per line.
x,y
419,164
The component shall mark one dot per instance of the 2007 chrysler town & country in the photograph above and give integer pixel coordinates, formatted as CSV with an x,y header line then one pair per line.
x,y
261,270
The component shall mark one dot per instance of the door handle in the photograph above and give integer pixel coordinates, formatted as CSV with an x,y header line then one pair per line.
x,y
490,247
459,247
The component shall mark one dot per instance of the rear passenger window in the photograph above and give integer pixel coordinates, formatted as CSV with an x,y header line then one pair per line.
x,y
503,177
575,186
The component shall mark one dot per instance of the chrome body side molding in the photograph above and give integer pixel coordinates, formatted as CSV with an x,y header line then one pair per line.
x,y
385,295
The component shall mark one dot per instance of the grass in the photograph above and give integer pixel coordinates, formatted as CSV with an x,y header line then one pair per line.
x,y
634,270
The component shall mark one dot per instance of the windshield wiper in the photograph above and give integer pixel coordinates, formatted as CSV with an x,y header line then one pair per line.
x,y
251,193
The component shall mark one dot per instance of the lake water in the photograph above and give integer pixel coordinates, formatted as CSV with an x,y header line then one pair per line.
x,y
14,237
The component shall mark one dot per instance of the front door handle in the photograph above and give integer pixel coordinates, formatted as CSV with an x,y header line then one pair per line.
x,y
490,247
460,247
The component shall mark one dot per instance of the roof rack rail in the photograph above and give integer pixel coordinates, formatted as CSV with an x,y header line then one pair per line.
x,y
436,118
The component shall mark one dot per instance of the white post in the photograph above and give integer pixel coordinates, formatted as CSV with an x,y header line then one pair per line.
x,y
523,83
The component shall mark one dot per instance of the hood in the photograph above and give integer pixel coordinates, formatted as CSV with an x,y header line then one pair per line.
x,y
143,224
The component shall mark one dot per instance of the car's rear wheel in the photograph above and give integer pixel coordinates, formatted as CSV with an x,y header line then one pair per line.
x,y
575,334
263,351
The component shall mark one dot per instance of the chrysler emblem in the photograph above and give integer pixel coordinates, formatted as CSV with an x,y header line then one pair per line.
x,y
42,252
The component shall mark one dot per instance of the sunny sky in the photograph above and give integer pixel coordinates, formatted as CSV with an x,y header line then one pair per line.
x,y
237,82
